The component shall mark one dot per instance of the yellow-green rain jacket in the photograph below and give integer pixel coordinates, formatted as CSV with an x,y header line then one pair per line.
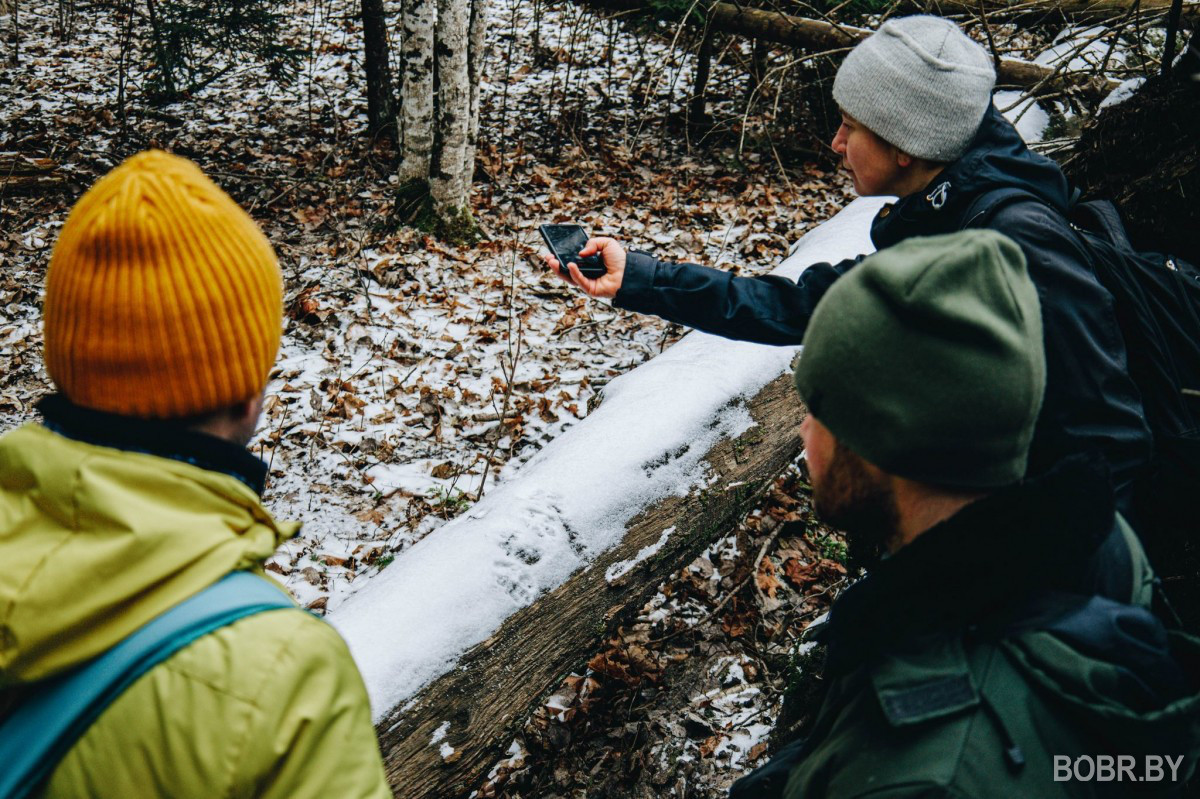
x,y
94,543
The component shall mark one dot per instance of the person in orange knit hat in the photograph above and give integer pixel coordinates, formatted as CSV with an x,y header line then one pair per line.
x,y
135,496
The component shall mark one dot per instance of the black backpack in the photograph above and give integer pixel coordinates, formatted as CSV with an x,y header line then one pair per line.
x,y
1156,298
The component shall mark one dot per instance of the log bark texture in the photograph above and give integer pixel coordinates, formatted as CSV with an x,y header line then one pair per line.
x,y
488,695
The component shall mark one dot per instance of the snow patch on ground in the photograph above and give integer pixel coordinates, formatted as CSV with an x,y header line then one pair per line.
x,y
572,500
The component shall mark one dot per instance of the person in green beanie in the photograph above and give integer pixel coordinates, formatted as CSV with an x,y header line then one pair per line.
x,y
974,659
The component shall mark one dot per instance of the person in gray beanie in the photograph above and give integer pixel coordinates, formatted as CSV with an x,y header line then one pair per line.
x,y
975,657
939,86
918,124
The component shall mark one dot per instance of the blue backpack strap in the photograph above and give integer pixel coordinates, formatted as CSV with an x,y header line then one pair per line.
x,y
55,713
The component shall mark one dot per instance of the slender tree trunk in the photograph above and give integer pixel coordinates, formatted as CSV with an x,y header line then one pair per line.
x,y
10,6
447,183
476,56
416,87
381,103
697,115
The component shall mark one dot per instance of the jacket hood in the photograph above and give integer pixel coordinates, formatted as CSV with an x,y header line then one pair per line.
x,y
96,541
1115,671
997,158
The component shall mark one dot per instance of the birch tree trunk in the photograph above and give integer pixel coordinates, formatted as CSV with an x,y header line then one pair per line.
x,y
416,91
442,55
447,184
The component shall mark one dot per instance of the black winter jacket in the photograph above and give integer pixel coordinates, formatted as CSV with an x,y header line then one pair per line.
x,y
1090,404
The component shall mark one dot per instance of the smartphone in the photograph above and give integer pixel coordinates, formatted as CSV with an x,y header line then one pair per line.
x,y
565,242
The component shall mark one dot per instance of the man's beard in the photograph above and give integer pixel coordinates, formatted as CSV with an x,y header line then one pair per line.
x,y
853,497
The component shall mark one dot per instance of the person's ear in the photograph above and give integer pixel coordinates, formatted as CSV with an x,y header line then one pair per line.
x,y
904,159
248,410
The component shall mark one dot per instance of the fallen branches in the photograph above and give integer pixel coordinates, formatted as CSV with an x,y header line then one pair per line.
x,y
818,35
1081,10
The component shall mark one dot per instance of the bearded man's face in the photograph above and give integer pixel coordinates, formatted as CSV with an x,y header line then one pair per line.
x,y
850,493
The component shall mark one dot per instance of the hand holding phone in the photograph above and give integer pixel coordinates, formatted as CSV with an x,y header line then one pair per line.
x,y
565,242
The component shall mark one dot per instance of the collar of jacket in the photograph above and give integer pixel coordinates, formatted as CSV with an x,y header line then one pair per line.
x,y
152,437
990,557
996,158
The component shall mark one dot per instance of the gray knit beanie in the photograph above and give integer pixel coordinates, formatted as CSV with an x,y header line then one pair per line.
x,y
919,83
927,360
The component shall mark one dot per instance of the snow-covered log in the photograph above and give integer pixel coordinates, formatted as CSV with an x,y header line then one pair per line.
x,y
465,632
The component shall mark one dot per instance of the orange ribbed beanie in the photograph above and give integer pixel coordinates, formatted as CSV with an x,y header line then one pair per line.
x,y
163,298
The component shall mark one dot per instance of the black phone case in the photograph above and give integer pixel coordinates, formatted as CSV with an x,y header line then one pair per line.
x,y
591,266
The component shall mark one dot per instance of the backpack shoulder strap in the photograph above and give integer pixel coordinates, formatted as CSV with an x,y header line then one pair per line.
x,y
984,208
54,714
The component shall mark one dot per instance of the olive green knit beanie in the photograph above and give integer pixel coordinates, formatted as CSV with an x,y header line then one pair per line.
x,y
927,360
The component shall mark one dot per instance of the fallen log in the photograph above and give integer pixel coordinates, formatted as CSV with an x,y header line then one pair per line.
x,y
820,36
22,175
467,631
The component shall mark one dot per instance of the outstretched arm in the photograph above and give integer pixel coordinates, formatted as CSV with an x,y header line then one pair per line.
x,y
766,310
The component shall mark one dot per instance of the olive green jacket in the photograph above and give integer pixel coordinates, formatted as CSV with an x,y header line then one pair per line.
x,y
96,541
965,663
960,718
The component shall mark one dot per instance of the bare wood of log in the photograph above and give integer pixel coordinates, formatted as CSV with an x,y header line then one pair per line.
x,y
488,695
